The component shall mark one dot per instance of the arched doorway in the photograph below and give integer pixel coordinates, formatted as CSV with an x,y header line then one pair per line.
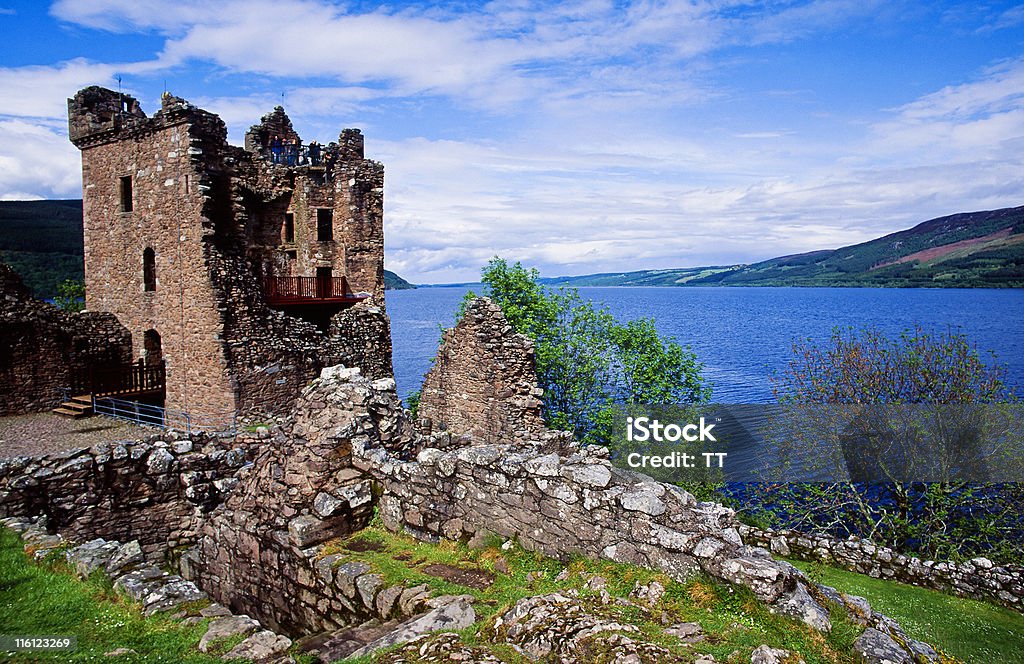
x,y
154,353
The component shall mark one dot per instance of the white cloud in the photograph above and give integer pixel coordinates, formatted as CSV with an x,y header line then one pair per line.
x,y
37,161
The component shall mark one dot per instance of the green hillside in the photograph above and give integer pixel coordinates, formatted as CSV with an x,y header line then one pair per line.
x,y
966,250
42,241
394,282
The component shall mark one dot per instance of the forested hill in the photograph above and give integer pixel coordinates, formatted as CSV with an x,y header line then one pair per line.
x,y
394,282
42,241
966,250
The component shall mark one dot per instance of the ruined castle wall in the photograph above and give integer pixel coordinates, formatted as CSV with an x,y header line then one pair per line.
x,y
214,216
483,382
153,490
256,551
42,348
359,215
169,202
978,578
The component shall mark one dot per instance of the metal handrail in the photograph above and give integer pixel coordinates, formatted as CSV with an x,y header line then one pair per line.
x,y
164,418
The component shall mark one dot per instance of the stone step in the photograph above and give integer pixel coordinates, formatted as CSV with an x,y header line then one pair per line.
x,y
331,646
72,413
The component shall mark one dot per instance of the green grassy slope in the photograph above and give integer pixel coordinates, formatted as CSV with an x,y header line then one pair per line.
x,y
976,632
47,600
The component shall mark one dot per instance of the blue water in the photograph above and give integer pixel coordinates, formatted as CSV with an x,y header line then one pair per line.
x,y
743,335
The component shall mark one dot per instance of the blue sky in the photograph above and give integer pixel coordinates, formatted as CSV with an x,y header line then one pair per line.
x,y
576,137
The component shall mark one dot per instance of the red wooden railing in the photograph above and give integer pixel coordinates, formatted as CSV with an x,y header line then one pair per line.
x,y
303,290
123,379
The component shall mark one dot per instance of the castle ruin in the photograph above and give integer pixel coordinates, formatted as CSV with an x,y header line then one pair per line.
x,y
243,271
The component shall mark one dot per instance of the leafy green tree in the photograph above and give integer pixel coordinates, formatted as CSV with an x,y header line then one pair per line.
x,y
70,295
587,362
911,430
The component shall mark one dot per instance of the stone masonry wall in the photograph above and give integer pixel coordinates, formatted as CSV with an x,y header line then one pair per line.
x,y
256,553
978,578
483,383
164,157
214,215
152,491
42,347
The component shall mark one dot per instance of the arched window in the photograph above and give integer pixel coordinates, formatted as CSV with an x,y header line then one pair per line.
x,y
149,269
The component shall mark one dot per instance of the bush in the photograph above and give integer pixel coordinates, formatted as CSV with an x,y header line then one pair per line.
x,y
70,295
921,435
587,362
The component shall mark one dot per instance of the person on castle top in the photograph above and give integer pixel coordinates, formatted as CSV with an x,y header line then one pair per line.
x,y
314,153
329,159
275,149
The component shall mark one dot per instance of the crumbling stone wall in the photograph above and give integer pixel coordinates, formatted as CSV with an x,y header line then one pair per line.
x,y
483,383
256,552
213,215
978,578
42,347
152,491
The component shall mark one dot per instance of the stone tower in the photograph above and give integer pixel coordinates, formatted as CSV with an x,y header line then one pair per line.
x,y
244,270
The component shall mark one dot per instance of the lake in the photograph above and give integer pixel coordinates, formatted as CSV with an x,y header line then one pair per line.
x,y
743,335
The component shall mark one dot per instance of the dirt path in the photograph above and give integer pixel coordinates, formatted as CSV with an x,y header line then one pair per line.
x,y
42,433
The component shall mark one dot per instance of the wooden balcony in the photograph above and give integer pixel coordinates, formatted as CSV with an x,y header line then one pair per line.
x,y
284,291
129,380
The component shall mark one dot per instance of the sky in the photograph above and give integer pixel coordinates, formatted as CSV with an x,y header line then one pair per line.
x,y
579,136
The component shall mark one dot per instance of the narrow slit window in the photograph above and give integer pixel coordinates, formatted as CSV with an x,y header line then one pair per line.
x,y
289,227
149,270
324,225
126,194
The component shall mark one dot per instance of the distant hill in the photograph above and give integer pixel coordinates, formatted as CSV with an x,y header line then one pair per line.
x,y
394,282
966,250
42,241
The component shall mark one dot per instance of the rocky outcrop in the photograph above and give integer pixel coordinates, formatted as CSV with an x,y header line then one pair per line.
x,y
562,628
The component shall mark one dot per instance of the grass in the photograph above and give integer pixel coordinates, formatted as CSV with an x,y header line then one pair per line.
x,y
733,619
976,632
46,599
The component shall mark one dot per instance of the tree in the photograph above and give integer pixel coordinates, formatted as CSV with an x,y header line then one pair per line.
x,y
587,362
70,295
919,438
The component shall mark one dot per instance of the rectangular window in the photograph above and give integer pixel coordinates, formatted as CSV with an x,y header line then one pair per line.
x,y
126,193
324,225
289,227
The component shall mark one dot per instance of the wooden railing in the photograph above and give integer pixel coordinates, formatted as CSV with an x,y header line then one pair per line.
x,y
302,290
126,379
